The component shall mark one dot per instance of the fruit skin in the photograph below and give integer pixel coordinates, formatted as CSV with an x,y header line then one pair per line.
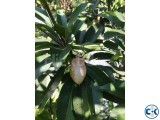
x,y
78,70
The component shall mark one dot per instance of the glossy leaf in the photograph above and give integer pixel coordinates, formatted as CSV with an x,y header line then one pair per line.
x,y
81,33
88,46
112,89
48,31
120,16
39,53
61,30
76,12
42,57
109,33
105,55
41,87
117,57
65,53
42,44
42,67
42,15
93,32
97,97
88,84
118,112
113,16
78,103
83,101
51,88
110,44
61,18
120,43
45,5
79,36
64,102
77,25
94,4
97,75
88,103
43,116
109,71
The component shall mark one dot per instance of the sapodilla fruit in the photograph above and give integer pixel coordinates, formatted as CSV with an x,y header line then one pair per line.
x,y
78,70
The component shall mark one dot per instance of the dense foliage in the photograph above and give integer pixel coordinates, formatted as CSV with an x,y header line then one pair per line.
x,y
93,30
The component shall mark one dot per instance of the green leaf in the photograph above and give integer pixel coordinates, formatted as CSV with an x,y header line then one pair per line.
x,y
82,100
39,53
42,11
120,16
109,71
42,67
115,17
93,32
88,46
97,75
86,92
111,45
119,42
42,15
94,5
45,5
120,72
51,88
61,18
118,112
42,57
79,36
122,85
41,86
109,33
65,53
76,12
42,80
42,44
97,97
112,89
61,30
98,55
48,31
64,102
78,103
43,116
117,57
80,33
77,25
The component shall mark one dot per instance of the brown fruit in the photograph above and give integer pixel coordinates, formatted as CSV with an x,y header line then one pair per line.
x,y
78,70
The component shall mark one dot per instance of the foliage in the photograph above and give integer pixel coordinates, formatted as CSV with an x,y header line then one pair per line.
x,y
93,30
